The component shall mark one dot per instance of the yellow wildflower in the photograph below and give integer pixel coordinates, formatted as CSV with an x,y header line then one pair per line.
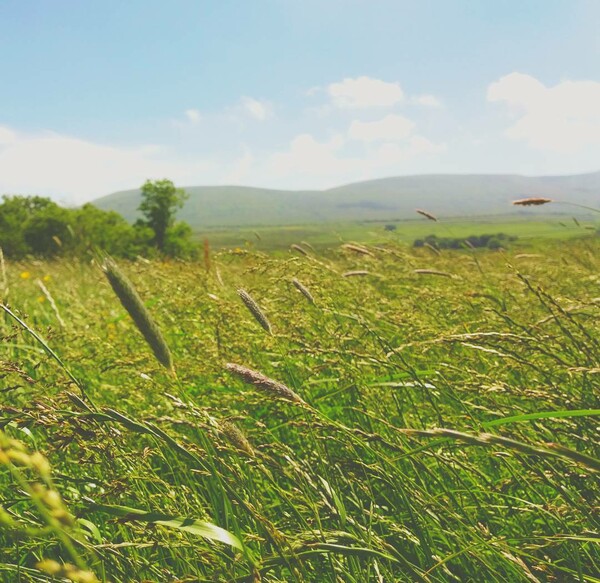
x,y
25,275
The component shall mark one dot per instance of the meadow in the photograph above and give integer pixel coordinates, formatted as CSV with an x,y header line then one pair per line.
x,y
529,229
408,415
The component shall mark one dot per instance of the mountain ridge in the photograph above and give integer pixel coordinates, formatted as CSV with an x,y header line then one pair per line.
x,y
386,198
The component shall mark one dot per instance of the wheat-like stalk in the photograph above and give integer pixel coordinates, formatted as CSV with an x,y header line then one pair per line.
x,y
432,248
357,249
432,272
218,276
255,310
531,201
355,273
302,289
263,383
426,214
235,436
135,307
296,247
51,301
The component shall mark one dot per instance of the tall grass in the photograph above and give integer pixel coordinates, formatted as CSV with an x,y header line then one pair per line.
x,y
451,433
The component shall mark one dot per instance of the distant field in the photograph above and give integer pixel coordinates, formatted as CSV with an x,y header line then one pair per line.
x,y
323,236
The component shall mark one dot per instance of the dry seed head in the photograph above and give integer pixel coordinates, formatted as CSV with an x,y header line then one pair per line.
x,y
357,249
426,214
432,272
40,464
236,437
263,383
531,201
303,290
432,248
51,301
67,571
218,276
255,310
298,248
50,567
132,302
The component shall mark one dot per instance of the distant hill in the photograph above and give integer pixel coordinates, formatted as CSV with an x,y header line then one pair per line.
x,y
446,195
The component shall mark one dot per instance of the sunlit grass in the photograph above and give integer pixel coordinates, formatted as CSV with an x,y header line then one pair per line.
x,y
445,428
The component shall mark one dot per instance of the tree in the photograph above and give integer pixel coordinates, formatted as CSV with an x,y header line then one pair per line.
x,y
49,232
109,231
32,224
160,201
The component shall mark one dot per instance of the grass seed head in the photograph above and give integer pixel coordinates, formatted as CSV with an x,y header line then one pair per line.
x,y
531,201
263,383
255,310
51,301
235,436
426,215
296,247
298,285
432,272
135,307
357,249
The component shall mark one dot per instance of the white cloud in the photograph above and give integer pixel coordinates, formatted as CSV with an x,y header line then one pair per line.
x,y
364,92
426,101
76,170
563,118
312,163
259,110
241,169
7,136
394,153
391,128
193,115
309,158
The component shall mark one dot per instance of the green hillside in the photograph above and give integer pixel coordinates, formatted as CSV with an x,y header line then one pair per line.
x,y
383,199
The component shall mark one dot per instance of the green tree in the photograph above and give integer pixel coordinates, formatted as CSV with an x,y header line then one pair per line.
x,y
48,232
109,231
32,224
160,201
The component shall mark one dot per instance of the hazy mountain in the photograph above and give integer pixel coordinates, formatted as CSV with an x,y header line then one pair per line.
x,y
386,199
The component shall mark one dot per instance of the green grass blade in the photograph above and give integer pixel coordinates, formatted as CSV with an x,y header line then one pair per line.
x,y
542,415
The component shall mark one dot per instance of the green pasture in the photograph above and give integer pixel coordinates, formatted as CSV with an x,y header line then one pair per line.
x,y
327,235
359,414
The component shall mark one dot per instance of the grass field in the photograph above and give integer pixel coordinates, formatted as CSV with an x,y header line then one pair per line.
x,y
438,419
322,236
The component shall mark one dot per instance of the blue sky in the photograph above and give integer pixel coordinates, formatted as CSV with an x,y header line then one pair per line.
x,y
97,96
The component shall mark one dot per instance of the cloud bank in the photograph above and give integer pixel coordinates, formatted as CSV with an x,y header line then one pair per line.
x,y
361,128
563,118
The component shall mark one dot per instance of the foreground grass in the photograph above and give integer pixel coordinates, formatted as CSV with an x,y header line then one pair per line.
x,y
446,427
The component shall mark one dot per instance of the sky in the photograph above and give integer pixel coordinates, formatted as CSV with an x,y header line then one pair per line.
x,y
98,96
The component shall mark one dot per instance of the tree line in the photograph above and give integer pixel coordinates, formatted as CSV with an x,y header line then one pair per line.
x,y
35,225
491,241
